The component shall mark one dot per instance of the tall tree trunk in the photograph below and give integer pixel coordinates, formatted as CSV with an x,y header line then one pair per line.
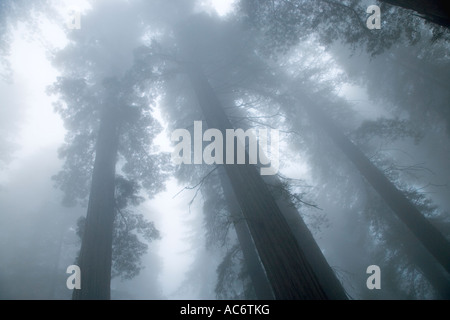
x,y
437,11
432,271
257,274
96,248
425,232
326,276
55,272
288,271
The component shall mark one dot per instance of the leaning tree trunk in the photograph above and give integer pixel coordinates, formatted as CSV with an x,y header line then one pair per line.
x,y
431,270
437,11
96,247
425,232
287,268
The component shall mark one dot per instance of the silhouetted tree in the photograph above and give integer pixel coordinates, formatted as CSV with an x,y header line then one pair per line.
x,y
107,112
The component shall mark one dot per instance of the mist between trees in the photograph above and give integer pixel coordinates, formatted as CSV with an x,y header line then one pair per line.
x,y
139,173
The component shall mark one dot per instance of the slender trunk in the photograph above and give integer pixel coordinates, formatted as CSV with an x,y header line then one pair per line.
x,y
425,232
437,11
288,271
433,272
96,248
55,279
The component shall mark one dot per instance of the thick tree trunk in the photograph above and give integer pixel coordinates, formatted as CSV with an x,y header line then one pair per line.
x,y
425,232
256,271
96,248
326,276
288,271
437,11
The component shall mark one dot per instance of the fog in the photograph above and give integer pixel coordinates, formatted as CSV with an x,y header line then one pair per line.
x,y
102,166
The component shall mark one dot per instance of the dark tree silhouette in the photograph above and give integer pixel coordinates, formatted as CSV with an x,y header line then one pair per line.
x,y
435,11
107,112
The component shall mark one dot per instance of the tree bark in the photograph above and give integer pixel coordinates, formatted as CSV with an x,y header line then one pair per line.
x,y
437,11
425,232
325,274
96,249
258,276
288,271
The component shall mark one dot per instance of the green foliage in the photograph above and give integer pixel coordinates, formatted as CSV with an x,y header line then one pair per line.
x,y
80,106
232,271
386,129
286,22
127,246
81,119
